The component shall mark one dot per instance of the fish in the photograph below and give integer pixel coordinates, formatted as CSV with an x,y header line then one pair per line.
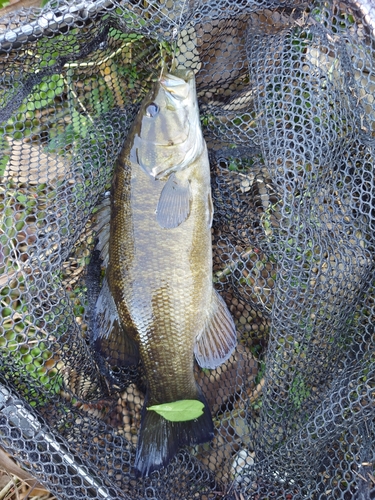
x,y
157,300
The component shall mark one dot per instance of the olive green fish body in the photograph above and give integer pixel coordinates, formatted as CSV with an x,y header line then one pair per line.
x,y
162,278
158,292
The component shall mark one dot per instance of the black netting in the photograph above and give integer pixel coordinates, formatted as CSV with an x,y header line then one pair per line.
x,y
286,93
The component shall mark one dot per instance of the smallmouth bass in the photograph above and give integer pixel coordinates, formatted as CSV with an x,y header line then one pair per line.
x,y
158,296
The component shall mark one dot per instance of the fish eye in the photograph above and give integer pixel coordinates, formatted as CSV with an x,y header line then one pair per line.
x,y
152,110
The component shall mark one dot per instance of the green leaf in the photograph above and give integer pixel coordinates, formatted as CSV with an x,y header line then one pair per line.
x,y
3,164
179,411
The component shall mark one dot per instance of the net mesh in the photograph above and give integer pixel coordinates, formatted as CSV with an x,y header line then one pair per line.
x,y
286,94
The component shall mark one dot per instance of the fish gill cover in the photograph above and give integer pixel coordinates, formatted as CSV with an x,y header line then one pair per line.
x,y
286,94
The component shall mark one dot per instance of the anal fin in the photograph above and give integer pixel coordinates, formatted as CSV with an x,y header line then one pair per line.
x,y
174,203
216,343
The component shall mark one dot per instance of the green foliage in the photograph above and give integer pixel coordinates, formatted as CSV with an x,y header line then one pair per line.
x,y
299,391
261,372
22,350
341,21
26,120
133,21
22,211
207,119
4,156
179,411
300,39
45,93
240,164
65,108
79,294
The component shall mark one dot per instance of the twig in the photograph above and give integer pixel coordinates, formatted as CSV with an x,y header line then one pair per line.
x,y
257,391
102,61
230,267
6,488
69,86
360,475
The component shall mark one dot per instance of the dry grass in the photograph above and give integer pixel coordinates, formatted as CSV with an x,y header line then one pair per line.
x,y
17,484
14,488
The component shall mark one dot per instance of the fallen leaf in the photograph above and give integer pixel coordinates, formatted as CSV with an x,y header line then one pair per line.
x,y
179,411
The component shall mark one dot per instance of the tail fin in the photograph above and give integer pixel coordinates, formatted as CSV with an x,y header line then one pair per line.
x,y
160,439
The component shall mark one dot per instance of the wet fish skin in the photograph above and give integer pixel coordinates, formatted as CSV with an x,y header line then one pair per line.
x,y
159,277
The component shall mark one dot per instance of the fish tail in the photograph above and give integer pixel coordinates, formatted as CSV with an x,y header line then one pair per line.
x,y
160,439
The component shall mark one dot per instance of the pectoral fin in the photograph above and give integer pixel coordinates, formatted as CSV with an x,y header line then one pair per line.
x,y
218,340
174,203
110,338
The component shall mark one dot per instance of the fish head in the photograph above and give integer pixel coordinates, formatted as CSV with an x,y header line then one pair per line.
x,y
167,132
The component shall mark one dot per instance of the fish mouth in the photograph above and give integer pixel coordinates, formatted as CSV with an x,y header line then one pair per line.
x,y
182,73
179,74
177,85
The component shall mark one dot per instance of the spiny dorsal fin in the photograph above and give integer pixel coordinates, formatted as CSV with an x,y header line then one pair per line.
x,y
102,228
105,312
218,340
108,332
